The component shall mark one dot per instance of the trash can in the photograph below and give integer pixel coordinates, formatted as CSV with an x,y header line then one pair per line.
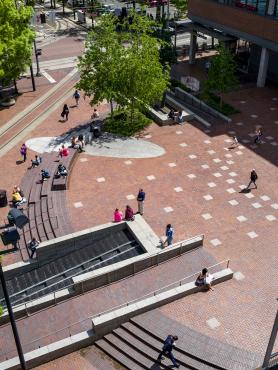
x,y
43,18
3,198
96,131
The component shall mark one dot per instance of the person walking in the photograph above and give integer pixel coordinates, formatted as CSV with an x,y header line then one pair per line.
x,y
76,96
65,112
23,152
169,233
32,245
258,138
140,200
253,179
167,349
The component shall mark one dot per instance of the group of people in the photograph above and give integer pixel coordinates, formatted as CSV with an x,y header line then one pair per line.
x,y
78,142
176,116
129,213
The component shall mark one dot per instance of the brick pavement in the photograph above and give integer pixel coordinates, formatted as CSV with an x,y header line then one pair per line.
x,y
240,226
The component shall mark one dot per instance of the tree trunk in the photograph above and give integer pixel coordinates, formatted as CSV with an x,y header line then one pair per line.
x,y
111,108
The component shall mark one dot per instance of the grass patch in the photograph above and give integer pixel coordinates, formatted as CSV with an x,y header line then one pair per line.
x,y
121,124
214,102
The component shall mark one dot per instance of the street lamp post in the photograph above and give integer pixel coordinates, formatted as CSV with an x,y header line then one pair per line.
x,y
12,319
32,77
37,53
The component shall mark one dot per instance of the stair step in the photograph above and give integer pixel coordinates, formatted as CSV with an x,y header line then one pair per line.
x,y
156,344
116,355
129,352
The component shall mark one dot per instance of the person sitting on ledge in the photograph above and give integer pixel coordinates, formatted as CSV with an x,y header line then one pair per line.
x,y
63,152
118,215
74,142
172,114
36,162
17,198
180,117
81,142
129,214
61,170
45,175
204,279
32,245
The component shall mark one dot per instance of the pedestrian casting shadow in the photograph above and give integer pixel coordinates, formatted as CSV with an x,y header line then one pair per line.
x,y
157,366
245,191
19,162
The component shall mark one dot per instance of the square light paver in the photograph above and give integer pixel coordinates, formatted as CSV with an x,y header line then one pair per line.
x,y
228,140
242,187
265,198
211,152
231,190
232,174
239,152
130,197
274,99
231,132
207,141
216,160
191,176
252,234
270,218
256,205
148,136
178,189
178,132
78,204
253,146
172,164
211,184
83,159
207,131
276,122
205,166
207,216
238,276
224,168
100,179
274,205
233,202
228,156
251,134
215,242
217,174
269,137
128,162
168,209
242,101
207,197
272,108
249,195
246,141
241,218
274,143
183,145
254,116
239,123
151,177
230,181
192,156
230,162
213,323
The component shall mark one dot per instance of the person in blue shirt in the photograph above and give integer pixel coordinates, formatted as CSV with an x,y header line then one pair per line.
x,y
169,235
167,349
140,200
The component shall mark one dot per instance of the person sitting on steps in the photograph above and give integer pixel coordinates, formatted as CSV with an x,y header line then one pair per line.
x,y
45,175
61,170
36,162
204,279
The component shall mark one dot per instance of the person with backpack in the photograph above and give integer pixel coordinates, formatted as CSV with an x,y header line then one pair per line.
x,y
253,179
167,349
76,96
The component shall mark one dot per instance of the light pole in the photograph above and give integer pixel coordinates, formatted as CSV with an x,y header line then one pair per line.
x,y
32,77
37,53
12,319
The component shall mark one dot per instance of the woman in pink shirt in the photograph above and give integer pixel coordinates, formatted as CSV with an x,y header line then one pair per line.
x,y
118,215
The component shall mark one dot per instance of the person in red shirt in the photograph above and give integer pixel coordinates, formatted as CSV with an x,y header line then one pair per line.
x,y
63,151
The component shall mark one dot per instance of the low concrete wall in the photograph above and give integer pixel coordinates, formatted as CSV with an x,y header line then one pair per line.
x,y
120,270
105,323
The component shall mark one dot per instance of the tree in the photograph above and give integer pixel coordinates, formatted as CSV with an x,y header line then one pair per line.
x,y
221,75
16,39
181,6
121,64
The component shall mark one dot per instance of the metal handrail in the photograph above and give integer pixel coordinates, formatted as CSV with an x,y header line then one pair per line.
x,y
153,293
90,317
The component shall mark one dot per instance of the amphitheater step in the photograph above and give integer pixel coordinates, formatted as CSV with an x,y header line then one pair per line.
x,y
135,333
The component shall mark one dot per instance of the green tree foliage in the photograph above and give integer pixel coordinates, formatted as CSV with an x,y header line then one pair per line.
x,y
181,6
16,39
221,76
121,64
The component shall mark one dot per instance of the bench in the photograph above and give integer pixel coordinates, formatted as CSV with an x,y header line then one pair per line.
x,y
50,164
61,183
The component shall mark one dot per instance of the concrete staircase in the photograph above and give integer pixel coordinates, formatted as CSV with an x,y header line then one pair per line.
x,y
135,347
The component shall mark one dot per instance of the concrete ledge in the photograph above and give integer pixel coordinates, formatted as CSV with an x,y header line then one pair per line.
x,y
170,100
107,322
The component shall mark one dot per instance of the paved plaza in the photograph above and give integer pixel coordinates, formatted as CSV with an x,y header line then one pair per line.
x,y
192,180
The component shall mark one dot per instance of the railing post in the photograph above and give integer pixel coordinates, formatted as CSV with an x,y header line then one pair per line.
x,y
228,263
